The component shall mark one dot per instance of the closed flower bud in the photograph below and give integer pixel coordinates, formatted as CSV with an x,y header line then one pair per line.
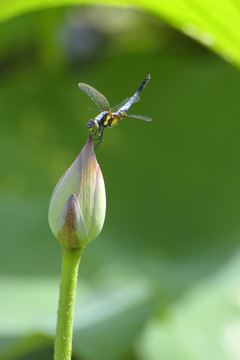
x,y
78,204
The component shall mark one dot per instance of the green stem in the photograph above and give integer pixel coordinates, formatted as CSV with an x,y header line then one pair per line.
x,y
63,341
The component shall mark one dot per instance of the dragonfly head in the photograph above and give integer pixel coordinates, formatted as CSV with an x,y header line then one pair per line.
x,y
92,125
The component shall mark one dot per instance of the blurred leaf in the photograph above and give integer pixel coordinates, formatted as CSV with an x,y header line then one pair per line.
x,y
204,324
19,348
120,301
214,24
112,339
114,316
37,299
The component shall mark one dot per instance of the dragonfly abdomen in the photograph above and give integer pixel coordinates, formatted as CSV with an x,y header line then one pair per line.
x,y
134,98
143,84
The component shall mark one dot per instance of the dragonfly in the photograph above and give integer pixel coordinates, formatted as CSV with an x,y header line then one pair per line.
x,y
108,116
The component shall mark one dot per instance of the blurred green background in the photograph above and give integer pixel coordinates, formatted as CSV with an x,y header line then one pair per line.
x,y
162,280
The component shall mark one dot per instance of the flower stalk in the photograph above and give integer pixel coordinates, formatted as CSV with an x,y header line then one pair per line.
x,y
63,340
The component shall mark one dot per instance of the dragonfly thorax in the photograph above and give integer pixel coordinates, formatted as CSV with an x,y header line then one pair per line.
x,y
93,125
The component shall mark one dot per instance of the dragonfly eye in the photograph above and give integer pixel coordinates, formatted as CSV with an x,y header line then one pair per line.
x,y
92,125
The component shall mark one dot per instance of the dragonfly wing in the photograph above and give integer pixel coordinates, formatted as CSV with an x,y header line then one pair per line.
x,y
93,109
98,98
117,107
141,117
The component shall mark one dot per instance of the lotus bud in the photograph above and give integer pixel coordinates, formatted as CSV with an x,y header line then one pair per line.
x,y
78,203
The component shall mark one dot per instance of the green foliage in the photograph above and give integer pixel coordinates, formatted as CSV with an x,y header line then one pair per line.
x,y
214,24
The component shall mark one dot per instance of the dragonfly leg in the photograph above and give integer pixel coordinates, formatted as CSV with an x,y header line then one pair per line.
x,y
97,136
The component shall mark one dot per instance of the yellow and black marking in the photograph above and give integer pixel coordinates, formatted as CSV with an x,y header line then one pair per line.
x,y
110,120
